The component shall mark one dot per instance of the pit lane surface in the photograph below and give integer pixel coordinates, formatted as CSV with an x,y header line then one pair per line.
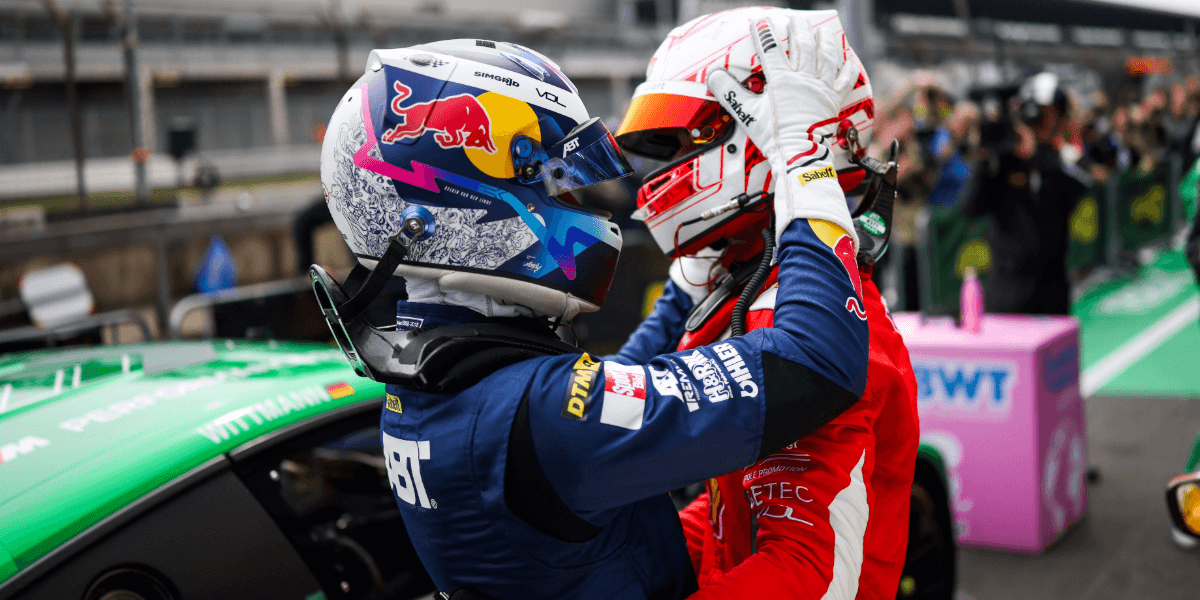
x,y
1139,332
1122,549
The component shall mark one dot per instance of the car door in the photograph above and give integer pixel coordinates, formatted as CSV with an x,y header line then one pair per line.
x,y
203,535
303,513
328,491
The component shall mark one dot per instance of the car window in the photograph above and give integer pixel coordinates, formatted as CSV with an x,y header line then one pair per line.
x,y
329,493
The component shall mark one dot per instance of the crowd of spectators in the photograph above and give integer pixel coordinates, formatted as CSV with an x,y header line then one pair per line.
x,y
955,151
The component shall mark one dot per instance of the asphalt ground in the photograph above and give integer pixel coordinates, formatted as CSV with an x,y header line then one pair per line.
x,y
1122,549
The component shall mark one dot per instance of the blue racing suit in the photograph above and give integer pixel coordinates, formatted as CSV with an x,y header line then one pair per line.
x,y
661,330
548,477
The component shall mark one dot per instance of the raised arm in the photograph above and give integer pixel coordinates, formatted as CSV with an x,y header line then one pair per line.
x,y
661,331
607,434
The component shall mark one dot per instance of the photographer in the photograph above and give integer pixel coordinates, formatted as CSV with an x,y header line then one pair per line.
x,y
1029,193
913,115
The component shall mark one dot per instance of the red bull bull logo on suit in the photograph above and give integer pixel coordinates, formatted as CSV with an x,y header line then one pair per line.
x,y
460,121
843,247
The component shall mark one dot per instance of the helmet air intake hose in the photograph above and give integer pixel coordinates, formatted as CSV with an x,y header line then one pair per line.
x,y
738,321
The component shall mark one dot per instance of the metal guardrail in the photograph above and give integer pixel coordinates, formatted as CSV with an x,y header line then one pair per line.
x,y
113,319
159,227
237,294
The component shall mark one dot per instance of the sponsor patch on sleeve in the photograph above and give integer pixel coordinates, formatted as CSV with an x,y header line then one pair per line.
x,y
705,372
579,389
393,404
815,174
737,369
624,396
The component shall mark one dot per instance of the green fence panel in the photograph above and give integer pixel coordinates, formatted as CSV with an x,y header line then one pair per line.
x,y
1189,189
954,243
1142,211
1085,246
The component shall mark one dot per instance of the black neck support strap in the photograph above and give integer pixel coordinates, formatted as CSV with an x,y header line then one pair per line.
x,y
439,359
873,218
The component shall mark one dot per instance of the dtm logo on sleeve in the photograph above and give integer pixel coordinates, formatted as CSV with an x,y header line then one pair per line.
x,y
404,469
737,369
579,389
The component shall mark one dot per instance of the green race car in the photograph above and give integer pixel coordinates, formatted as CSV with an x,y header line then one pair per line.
x,y
214,469
223,469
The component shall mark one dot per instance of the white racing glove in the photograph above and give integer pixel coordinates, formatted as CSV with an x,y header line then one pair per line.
x,y
795,118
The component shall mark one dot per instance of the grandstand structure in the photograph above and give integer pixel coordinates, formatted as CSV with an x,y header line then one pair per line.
x,y
266,72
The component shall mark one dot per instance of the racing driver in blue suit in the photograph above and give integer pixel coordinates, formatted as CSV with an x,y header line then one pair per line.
x,y
525,468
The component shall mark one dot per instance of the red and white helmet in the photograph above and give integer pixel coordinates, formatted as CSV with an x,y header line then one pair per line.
x,y
709,157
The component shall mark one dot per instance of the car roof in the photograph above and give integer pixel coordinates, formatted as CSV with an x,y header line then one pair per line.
x,y
85,432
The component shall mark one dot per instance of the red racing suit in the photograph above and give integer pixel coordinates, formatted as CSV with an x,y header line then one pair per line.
x,y
827,517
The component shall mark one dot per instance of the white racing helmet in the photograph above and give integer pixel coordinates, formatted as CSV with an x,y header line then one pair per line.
x,y
710,160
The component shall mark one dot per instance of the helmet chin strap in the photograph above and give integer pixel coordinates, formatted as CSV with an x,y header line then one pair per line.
x,y
397,249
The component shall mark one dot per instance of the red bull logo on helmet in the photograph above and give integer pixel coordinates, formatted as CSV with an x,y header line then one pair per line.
x,y
460,121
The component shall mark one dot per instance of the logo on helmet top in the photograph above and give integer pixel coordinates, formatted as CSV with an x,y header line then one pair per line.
x,y
460,121
509,81
549,96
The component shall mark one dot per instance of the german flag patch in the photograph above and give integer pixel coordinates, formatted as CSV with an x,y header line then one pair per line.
x,y
339,390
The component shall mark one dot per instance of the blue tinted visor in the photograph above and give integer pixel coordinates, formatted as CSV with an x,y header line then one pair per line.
x,y
586,156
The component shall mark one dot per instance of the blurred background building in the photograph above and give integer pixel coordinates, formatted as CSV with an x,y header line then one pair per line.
x,y
159,179
138,138
257,74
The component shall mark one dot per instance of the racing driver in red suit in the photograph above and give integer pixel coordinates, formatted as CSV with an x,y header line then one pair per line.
x,y
827,517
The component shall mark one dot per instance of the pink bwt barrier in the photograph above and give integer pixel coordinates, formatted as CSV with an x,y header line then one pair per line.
x,y
1003,408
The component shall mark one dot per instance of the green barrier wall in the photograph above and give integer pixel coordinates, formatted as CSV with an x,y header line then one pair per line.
x,y
1142,212
1137,202
1087,231
1189,189
956,243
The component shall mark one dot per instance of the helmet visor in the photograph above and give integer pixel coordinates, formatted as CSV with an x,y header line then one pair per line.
x,y
666,127
587,156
